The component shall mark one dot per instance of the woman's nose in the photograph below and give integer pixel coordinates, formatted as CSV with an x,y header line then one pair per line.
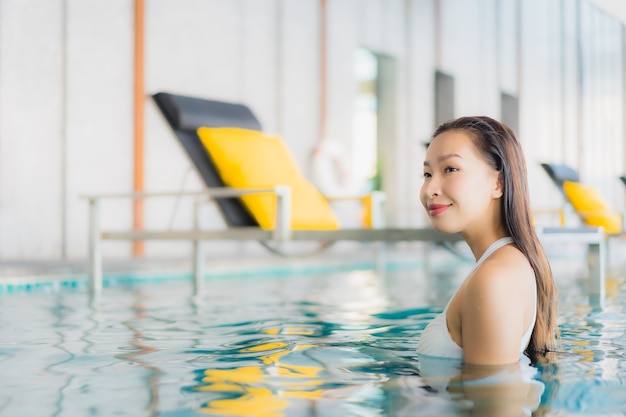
x,y
431,188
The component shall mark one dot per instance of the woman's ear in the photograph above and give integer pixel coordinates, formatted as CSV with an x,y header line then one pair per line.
x,y
498,191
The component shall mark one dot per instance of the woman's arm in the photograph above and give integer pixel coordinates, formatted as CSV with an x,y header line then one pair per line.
x,y
493,312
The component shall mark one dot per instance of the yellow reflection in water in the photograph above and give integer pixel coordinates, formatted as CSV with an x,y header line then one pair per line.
x,y
261,390
303,331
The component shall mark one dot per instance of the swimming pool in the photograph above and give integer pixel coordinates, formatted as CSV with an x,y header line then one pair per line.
x,y
327,344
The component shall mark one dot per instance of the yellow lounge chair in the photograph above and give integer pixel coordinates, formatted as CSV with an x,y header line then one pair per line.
x,y
586,201
254,181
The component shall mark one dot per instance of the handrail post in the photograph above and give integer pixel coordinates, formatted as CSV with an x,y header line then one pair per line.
x,y
597,260
95,253
378,217
198,255
377,198
282,229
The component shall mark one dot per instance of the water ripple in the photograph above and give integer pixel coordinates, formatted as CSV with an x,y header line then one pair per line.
x,y
333,345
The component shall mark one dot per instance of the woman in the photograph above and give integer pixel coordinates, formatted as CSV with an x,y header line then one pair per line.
x,y
475,185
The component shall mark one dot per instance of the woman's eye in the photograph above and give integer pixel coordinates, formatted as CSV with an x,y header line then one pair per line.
x,y
451,169
426,174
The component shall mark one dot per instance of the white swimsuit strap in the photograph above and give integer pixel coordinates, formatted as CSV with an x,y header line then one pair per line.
x,y
494,247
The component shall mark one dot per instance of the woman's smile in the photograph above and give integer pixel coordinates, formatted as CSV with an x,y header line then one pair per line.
x,y
437,209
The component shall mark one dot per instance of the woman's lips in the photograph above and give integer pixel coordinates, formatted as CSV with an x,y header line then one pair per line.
x,y
437,209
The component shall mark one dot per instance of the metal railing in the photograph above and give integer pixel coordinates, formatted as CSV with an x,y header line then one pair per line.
x,y
282,231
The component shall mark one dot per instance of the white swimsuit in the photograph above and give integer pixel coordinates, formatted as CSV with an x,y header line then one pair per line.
x,y
436,340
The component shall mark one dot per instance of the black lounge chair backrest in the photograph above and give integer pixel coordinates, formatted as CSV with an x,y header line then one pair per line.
x,y
560,173
185,115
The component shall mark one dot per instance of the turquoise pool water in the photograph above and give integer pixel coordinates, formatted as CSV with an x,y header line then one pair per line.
x,y
328,344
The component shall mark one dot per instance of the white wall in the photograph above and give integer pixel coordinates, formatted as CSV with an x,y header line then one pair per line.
x,y
66,98
31,122
98,118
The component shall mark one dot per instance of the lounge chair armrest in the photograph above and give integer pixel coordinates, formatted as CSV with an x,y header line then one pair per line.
x,y
209,192
560,213
380,194
373,204
332,199
282,231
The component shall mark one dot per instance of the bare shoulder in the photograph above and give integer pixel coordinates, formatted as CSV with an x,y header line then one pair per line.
x,y
505,272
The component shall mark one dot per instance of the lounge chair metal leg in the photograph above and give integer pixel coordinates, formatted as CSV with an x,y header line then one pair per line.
x,y
282,229
95,254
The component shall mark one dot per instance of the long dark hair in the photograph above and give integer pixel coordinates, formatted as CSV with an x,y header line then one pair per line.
x,y
503,152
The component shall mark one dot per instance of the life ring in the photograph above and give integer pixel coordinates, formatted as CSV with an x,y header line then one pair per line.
x,y
330,168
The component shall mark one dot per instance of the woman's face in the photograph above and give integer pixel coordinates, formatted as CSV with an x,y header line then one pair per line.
x,y
460,190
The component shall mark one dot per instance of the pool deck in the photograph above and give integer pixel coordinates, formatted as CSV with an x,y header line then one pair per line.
x,y
25,275
15,275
